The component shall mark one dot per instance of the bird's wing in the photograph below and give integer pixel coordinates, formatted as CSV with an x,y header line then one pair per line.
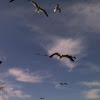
x,y
34,3
74,57
42,10
71,59
11,1
65,83
59,10
57,54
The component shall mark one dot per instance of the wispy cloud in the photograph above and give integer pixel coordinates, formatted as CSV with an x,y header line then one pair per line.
x,y
90,84
93,67
92,94
12,91
25,76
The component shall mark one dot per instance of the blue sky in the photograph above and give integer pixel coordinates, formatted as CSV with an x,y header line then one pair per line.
x,y
24,33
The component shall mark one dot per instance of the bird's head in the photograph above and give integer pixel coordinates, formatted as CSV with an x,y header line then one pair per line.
x,y
57,4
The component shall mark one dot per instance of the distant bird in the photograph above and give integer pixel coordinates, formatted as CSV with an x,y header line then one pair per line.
x,y
57,8
0,62
11,1
63,83
61,55
42,98
38,9
41,54
2,88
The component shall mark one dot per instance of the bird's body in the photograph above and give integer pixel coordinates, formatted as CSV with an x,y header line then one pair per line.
x,y
42,98
11,1
41,54
0,62
60,56
57,8
63,83
38,9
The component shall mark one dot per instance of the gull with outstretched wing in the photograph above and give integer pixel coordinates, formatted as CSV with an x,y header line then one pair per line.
x,y
38,9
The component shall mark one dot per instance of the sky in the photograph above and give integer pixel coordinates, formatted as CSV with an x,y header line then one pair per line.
x,y
24,33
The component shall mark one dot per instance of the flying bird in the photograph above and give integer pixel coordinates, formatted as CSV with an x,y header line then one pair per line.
x,y
42,98
2,88
60,56
63,83
38,9
0,62
11,1
57,8
41,54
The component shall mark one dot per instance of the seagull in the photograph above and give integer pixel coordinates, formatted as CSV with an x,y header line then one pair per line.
x,y
57,8
63,83
11,1
2,88
41,54
42,98
38,9
61,55
0,62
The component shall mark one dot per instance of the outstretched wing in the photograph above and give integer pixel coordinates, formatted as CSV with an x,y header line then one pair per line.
x,y
65,83
11,1
34,3
71,59
61,83
59,10
57,54
65,56
42,10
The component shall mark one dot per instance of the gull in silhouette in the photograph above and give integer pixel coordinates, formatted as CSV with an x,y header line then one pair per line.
x,y
63,83
2,88
42,98
38,9
41,54
0,62
60,56
57,8
11,1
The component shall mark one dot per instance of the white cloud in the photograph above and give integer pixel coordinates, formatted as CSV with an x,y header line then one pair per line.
x,y
12,91
23,76
92,94
94,67
90,84
69,46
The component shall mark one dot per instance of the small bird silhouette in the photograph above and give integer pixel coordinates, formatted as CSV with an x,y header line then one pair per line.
x,y
57,8
41,54
60,56
11,1
38,9
42,98
63,83
0,62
